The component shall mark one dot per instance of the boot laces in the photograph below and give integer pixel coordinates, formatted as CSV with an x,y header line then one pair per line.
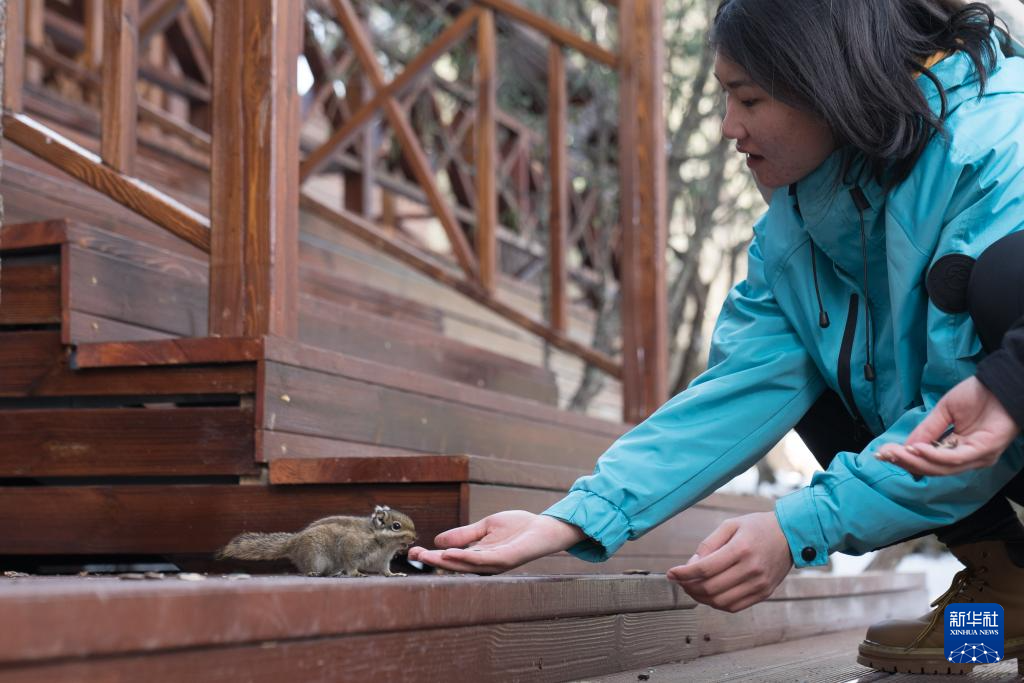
x,y
963,582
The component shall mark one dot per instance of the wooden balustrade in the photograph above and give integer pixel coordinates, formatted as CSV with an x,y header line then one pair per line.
x,y
245,67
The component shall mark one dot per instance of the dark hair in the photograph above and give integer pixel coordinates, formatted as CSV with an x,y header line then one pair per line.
x,y
853,62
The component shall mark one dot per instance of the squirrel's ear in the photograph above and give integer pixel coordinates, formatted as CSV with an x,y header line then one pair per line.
x,y
378,518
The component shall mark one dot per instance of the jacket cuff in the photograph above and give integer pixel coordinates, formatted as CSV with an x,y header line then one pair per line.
x,y
799,522
1003,375
606,526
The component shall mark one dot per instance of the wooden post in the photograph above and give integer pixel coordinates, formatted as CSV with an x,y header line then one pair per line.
x,y
644,230
93,53
34,35
558,143
120,75
14,54
255,182
359,184
486,151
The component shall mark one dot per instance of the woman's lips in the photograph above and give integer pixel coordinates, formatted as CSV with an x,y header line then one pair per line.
x,y
753,160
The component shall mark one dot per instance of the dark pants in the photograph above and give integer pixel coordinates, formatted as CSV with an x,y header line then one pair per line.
x,y
828,428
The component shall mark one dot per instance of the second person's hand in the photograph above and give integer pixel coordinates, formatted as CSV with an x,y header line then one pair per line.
x,y
499,542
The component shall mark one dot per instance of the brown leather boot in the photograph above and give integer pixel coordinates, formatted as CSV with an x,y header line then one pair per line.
x,y
916,645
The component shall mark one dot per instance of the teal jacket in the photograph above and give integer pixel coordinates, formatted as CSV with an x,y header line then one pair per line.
x,y
770,358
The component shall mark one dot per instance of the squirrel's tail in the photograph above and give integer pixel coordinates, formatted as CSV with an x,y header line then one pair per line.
x,y
255,546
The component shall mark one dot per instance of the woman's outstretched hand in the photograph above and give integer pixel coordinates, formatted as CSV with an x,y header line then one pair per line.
x,y
499,542
983,430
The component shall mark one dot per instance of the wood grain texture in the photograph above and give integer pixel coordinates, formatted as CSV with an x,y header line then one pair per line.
x,y
87,167
198,518
485,163
325,362
93,48
35,364
197,351
30,289
644,228
126,442
555,650
14,55
558,222
370,234
120,75
254,187
302,401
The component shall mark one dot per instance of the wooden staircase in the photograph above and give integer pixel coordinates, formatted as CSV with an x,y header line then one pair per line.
x,y
131,437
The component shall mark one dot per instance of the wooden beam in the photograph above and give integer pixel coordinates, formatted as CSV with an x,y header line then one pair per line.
x,y
14,55
157,17
551,30
416,68
643,177
254,169
120,75
359,184
202,17
35,14
558,144
407,140
88,168
93,53
487,151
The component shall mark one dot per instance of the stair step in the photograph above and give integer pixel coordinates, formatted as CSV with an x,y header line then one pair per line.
x,y
117,289
456,628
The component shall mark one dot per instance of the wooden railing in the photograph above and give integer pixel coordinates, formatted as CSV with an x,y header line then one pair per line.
x,y
245,118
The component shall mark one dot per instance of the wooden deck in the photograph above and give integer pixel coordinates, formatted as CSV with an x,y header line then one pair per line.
x,y
827,658
453,628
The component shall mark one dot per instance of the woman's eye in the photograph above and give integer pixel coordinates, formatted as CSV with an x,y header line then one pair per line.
x,y
396,526
748,103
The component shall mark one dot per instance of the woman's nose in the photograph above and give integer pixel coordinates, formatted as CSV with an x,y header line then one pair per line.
x,y
732,128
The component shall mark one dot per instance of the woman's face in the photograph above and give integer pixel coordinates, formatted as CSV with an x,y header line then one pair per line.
x,y
782,144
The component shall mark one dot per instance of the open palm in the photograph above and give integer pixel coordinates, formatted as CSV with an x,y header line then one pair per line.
x,y
499,542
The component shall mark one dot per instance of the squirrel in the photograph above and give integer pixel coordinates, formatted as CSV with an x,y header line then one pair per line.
x,y
333,546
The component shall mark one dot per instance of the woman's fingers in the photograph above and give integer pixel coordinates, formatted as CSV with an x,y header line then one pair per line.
x,y
462,536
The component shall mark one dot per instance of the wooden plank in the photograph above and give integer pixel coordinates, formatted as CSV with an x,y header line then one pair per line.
x,y
411,148
91,329
486,151
306,402
35,364
14,55
366,297
203,350
375,469
98,616
120,75
202,16
15,236
400,345
93,52
335,364
275,445
254,189
359,185
553,31
558,224
642,174
197,518
30,289
126,442
415,69
158,207
555,650
369,233
351,466
34,35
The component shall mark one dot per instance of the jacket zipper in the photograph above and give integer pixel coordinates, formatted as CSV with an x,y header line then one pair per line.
x,y
845,354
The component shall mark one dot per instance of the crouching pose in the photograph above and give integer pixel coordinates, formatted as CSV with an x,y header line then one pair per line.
x,y
889,135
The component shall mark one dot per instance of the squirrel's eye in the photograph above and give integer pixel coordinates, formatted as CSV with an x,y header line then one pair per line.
x,y
396,526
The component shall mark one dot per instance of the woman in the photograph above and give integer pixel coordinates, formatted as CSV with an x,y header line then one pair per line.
x,y
890,133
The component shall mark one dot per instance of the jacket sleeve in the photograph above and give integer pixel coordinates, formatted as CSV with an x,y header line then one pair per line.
x,y
861,503
1003,373
760,382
